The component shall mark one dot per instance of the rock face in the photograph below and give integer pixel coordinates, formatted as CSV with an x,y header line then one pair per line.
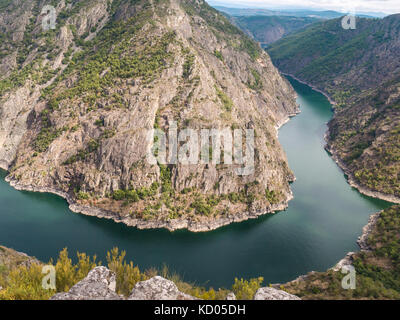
x,y
158,288
98,285
274,294
11,258
75,115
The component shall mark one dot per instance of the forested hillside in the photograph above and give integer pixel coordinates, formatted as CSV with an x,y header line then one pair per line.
x,y
268,29
360,70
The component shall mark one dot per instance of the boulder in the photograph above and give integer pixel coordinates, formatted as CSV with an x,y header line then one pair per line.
x,y
158,288
99,284
274,294
230,296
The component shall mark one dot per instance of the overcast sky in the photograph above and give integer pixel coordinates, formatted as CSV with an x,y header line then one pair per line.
x,y
387,6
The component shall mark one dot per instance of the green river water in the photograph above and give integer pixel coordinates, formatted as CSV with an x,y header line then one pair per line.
x,y
320,226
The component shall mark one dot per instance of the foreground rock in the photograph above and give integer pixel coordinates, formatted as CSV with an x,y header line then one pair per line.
x,y
274,294
158,288
98,285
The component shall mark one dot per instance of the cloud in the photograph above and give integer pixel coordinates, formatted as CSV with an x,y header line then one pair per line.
x,y
387,6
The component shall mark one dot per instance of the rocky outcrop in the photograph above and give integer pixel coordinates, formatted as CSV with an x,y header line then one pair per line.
x,y
98,285
76,122
11,258
274,294
158,288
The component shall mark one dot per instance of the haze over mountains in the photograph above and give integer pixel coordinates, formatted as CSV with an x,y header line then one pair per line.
x,y
268,29
319,14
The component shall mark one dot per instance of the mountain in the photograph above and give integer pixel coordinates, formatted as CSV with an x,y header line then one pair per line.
x,y
268,29
77,104
360,70
303,13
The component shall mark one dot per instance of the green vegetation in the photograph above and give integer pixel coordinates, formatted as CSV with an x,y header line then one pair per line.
x,y
16,79
226,101
25,283
377,271
219,55
271,196
331,48
134,195
351,66
4,4
245,290
188,65
205,206
20,282
47,133
256,84
82,154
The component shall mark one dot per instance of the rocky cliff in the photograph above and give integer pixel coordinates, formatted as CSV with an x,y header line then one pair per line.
x,y
360,70
77,103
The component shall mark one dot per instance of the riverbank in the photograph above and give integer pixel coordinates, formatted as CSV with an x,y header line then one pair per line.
x,y
205,225
351,180
340,163
268,245
331,101
362,242
171,225
349,257
367,229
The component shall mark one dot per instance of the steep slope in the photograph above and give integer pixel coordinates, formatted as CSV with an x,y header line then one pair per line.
x,y
360,70
80,100
267,30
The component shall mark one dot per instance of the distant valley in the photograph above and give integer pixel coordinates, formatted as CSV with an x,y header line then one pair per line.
x,y
360,70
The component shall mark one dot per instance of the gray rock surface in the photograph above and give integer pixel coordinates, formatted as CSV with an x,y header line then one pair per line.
x,y
41,146
158,288
274,294
230,296
98,285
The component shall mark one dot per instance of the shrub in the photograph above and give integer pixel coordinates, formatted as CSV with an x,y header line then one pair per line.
x,y
245,290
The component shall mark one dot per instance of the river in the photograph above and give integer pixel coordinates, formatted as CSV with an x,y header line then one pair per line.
x,y
320,226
